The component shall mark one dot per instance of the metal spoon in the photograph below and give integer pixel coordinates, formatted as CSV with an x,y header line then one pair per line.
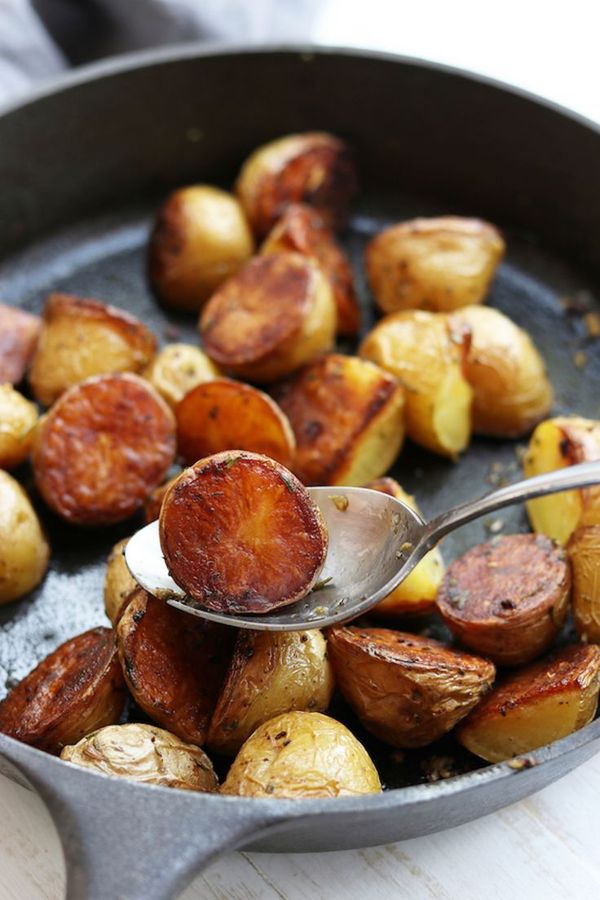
x,y
375,541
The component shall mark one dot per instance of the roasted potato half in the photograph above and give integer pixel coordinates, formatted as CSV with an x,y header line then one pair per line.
x,y
302,754
314,168
437,264
556,443
228,415
71,693
584,553
145,754
275,315
18,418
177,369
24,550
270,673
119,583
19,332
406,689
348,418
240,533
426,352
82,337
154,501
535,705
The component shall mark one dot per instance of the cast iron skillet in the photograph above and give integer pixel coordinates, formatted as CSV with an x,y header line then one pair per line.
x,y
82,166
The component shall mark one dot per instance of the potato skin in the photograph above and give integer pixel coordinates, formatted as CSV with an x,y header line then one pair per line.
x,y
19,332
270,673
508,598
302,754
145,754
119,583
348,418
584,552
438,264
18,418
75,690
275,315
102,448
81,337
406,689
536,705
24,550
177,369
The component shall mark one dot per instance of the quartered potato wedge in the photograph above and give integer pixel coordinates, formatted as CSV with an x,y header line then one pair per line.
x,y
19,332
24,550
177,369
119,583
18,418
584,552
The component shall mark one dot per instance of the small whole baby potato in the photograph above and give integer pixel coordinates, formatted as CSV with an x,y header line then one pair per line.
x,y
72,692
406,689
584,553
437,264
119,583
145,754
508,598
201,237
154,501
313,168
18,418
270,673
19,332
426,353
24,550
302,230
275,315
348,418
177,369
82,337
511,389
302,754
417,593
240,534
536,705
555,444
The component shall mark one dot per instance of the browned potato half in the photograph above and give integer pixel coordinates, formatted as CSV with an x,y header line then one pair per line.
x,y
240,533
535,705
81,338
71,693
154,501
508,598
275,315
437,264
119,583
270,673
174,665
102,448
302,230
177,369
417,593
348,418
19,332
406,689
228,415
511,389
426,352
584,553
556,443
201,237
145,754
24,550
18,418
302,754
314,168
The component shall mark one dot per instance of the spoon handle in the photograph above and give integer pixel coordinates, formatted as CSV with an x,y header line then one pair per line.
x,y
578,476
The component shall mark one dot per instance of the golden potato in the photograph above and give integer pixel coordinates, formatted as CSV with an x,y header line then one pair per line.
x,y
83,337
417,593
119,583
536,705
201,237
19,332
145,754
437,264
314,168
426,352
24,550
348,418
154,500
406,689
584,553
177,369
271,672
18,418
275,315
302,754
556,443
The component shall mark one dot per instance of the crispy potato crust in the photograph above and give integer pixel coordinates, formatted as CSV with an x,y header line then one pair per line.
x,y
19,332
72,692
177,369
102,448
584,553
18,418
119,583
24,550
239,533
406,689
